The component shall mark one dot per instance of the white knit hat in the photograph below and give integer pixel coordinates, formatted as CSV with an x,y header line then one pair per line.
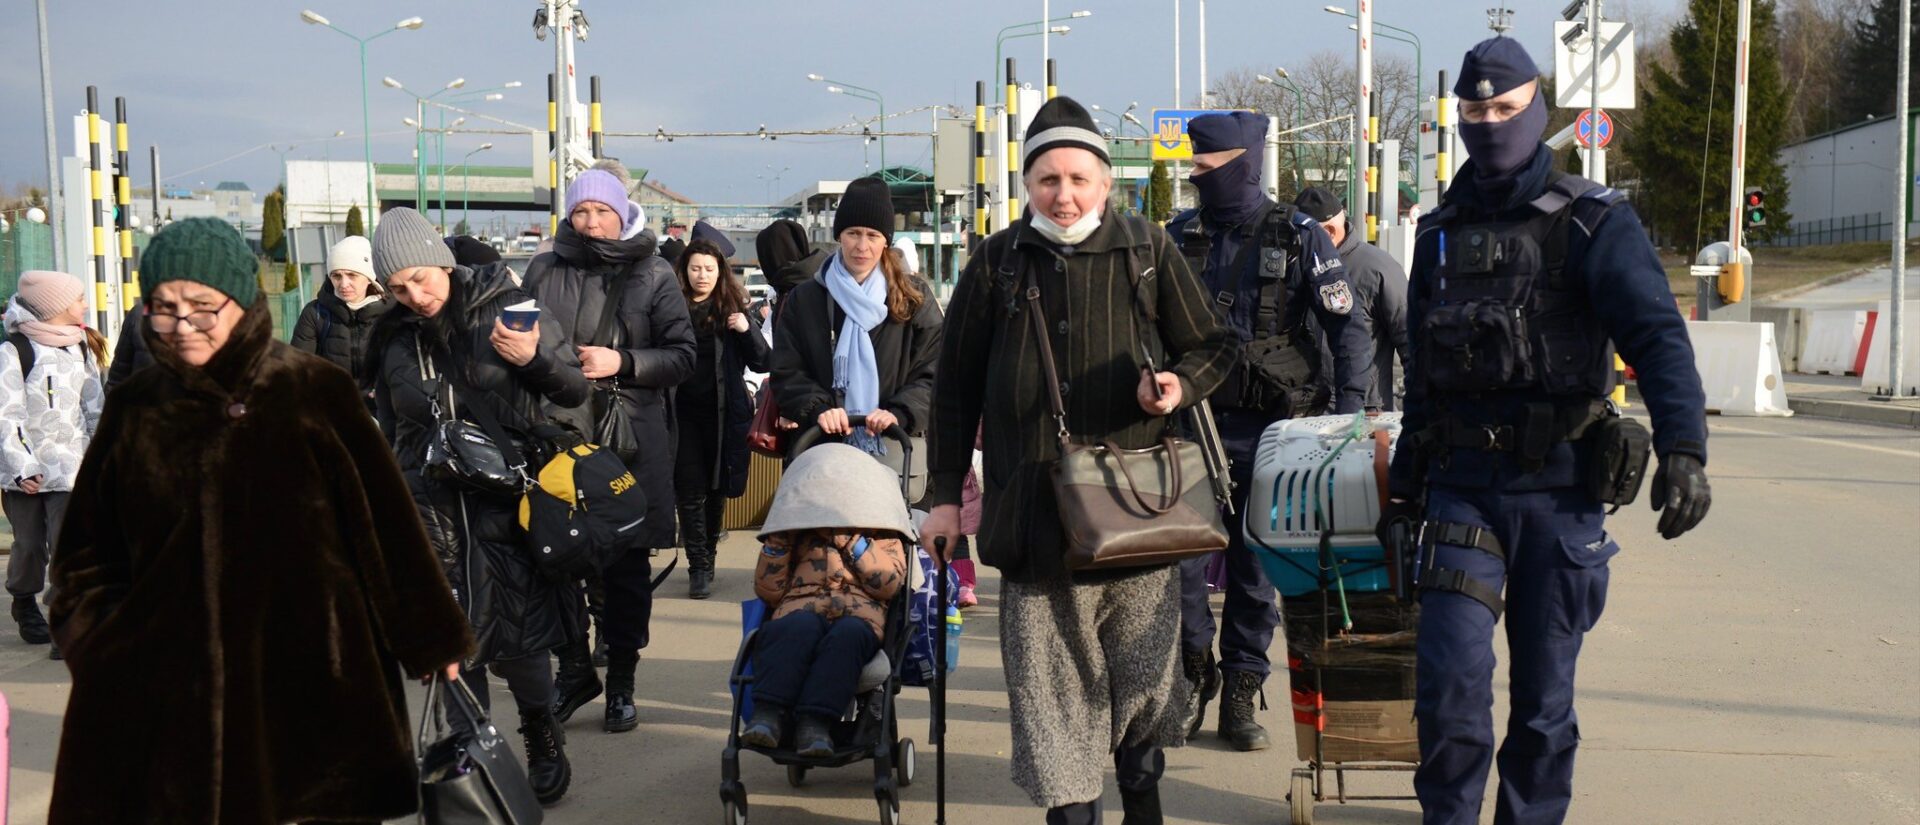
x,y
352,253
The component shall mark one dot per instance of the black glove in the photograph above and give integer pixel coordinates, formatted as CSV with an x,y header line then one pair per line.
x,y
1397,512
1680,487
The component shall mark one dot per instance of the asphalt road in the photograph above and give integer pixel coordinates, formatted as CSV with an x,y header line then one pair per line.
x,y
1765,669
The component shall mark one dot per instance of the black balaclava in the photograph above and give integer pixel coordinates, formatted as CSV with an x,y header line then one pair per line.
x,y
1231,193
1493,67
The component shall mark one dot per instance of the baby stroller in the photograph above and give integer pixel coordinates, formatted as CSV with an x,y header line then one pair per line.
x,y
870,729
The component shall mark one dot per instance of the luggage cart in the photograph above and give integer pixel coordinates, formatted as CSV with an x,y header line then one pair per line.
x,y
1318,487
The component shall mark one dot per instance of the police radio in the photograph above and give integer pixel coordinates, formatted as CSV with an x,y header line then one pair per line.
x,y
1480,252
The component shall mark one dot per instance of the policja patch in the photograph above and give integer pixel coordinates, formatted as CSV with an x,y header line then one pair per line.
x,y
1336,298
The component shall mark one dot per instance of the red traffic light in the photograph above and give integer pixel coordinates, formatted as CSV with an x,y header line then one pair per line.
x,y
1756,197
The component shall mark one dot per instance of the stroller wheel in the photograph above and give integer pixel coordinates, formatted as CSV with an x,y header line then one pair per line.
x,y
904,762
796,775
889,812
733,803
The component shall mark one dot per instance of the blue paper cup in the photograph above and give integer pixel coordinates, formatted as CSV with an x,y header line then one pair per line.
x,y
520,320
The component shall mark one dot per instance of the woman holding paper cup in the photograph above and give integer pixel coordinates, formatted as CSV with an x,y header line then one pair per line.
x,y
451,353
606,286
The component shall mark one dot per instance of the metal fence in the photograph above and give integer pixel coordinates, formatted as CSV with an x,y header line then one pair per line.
x,y
1847,229
24,245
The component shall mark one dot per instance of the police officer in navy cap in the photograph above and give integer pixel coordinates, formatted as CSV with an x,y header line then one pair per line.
x,y
1525,281
1278,281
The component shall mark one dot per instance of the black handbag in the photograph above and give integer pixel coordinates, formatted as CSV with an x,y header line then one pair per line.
x,y
468,776
478,456
612,413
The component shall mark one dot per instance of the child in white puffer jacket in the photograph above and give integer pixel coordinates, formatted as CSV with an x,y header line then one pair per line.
x,y
50,400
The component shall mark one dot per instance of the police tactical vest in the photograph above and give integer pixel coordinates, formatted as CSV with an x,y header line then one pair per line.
x,y
1505,314
1279,372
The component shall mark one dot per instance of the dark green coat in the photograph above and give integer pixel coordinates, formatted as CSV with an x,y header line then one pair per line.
x,y
989,371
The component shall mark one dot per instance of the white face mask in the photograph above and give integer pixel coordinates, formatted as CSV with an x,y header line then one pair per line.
x,y
1069,235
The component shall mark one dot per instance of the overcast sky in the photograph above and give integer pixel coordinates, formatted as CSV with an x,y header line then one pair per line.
x,y
205,80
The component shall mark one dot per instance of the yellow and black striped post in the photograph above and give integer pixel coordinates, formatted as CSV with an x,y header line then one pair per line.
x,y
1013,146
593,123
1619,395
553,154
1053,83
123,198
1373,169
97,204
980,204
1443,139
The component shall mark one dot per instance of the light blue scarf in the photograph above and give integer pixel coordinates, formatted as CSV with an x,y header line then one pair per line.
x,y
856,371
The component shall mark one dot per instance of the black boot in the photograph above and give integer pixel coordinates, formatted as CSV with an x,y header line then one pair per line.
x,y
621,714
696,539
765,729
1237,725
1203,684
575,684
813,736
1078,813
547,768
33,625
699,583
1142,807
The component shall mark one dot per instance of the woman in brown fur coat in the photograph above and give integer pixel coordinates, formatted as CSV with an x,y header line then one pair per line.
x,y
244,577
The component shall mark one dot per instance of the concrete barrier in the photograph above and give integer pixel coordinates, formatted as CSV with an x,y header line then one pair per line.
x,y
1833,341
1739,367
1873,375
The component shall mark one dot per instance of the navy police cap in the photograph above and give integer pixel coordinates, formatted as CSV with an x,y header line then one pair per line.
x,y
1493,67
1222,131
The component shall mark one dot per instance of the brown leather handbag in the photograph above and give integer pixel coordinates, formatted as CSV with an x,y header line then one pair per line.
x,y
1127,508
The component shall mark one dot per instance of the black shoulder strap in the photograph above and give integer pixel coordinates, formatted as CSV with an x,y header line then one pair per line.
x,y
23,348
1557,205
616,296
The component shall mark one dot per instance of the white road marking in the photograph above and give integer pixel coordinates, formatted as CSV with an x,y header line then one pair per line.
x,y
1831,442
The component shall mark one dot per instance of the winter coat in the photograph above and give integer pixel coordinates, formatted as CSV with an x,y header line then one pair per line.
x,y
740,352
241,586
331,330
514,609
814,571
1380,292
130,354
802,365
990,376
48,416
652,334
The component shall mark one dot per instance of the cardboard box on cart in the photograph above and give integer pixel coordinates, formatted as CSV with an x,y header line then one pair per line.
x,y
1363,703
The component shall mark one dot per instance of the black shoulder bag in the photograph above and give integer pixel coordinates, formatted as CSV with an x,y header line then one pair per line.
x,y
612,418
479,454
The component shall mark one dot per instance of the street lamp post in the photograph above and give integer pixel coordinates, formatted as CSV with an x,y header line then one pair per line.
x,y
850,90
366,127
419,134
1003,37
466,179
1419,72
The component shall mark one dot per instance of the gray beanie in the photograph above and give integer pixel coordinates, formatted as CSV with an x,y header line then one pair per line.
x,y
406,238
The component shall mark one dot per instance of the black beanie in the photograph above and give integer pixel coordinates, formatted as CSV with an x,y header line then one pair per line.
x,y
470,251
1062,121
867,204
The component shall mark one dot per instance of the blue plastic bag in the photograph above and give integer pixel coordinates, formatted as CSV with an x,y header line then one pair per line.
x,y
924,617
753,614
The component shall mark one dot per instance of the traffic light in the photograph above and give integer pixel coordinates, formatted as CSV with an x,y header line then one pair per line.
x,y
1754,212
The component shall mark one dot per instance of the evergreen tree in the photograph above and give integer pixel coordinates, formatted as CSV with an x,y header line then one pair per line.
x,y
356,225
273,223
1689,107
1160,200
1871,61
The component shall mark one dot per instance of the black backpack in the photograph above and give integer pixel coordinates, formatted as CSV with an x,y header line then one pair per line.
x,y
24,349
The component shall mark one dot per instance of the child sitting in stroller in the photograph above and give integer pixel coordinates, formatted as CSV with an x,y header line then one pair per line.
x,y
835,555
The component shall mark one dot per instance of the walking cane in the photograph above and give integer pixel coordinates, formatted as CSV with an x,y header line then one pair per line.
x,y
940,690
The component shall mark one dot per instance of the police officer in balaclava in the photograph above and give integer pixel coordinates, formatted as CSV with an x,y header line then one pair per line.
x,y
1525,281
1276,279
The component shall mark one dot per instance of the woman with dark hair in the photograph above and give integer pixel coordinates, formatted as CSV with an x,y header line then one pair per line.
x,y
713,407
450,356
851,343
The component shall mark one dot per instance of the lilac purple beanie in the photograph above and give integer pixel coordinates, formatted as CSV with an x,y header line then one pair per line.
x,y
600,187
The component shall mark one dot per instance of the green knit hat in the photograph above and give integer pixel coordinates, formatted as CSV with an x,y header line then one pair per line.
x,y
203,250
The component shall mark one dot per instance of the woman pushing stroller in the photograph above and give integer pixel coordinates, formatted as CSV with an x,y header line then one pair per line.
x,y
830,566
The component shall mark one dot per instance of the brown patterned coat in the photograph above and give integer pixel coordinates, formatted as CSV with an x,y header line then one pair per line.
x,y
815,571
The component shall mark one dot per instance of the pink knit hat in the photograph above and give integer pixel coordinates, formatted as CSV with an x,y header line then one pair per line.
x,y
46,293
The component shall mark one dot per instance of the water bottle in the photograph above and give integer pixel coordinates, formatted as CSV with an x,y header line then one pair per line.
x,y
954,626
